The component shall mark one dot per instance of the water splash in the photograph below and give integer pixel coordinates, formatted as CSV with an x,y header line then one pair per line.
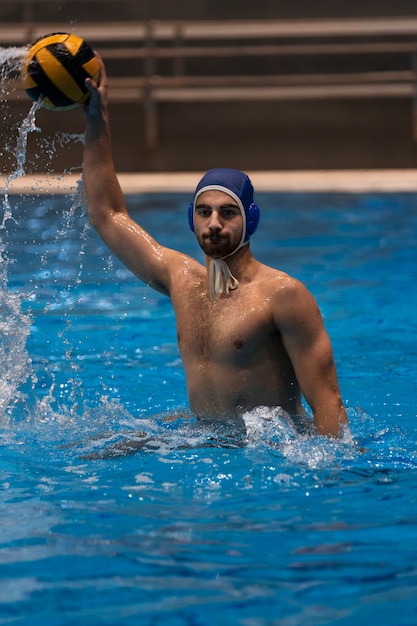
x,y
11,62
16,367
28,126
15,363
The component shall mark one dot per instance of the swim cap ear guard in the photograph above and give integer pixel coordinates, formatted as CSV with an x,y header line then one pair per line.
x,y
252,219
191,216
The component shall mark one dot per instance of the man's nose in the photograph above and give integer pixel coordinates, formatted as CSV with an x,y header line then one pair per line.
x,y
214,223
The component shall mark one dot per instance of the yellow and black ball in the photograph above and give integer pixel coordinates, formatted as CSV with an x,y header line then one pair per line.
x,y
55,70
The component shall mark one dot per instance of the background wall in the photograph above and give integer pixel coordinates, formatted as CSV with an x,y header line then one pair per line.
x,y
316,134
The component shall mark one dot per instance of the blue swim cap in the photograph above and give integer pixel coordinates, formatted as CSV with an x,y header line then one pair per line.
x,y
237,185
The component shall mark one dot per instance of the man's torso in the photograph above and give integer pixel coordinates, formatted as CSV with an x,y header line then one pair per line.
x,y
232,350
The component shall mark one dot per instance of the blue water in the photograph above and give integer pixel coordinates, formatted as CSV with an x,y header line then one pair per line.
x,y
196,526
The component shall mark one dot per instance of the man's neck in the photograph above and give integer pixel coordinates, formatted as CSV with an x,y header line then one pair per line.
x,y
224,274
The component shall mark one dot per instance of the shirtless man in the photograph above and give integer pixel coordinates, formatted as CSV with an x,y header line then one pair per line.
x,y
248,335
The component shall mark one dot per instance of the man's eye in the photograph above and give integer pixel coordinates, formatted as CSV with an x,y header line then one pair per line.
x,y
203,212
230,212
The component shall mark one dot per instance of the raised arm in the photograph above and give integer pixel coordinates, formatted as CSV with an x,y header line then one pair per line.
x,y
107,211
308,346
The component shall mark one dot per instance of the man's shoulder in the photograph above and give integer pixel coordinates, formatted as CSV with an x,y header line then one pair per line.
x,y
186,272
278,280
284,290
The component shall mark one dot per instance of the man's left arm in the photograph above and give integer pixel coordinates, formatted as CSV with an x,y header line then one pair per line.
x,y
309,349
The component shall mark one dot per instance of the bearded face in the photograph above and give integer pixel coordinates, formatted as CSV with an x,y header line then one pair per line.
x,y
218,223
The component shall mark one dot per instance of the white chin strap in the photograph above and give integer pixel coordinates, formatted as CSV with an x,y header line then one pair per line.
x,y
220,278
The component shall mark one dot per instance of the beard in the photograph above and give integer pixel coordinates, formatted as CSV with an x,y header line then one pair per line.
x,y
217,246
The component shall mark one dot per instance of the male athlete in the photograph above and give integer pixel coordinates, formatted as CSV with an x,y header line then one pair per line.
x,y
249,335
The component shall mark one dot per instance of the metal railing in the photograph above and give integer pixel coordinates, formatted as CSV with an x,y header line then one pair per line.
x,y
300,52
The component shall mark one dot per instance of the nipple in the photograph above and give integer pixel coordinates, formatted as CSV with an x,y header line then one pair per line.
x,y
221,280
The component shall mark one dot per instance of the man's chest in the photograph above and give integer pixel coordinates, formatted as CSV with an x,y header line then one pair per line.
x,y
227,329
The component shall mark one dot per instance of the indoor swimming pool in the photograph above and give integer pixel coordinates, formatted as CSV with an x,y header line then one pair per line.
x,y
197,526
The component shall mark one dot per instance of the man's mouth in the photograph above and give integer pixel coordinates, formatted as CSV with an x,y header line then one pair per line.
x,y
214,238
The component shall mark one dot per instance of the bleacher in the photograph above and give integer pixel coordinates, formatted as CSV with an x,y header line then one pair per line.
x,y
157,62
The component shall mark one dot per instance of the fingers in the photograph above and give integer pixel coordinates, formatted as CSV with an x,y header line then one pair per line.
x,y
90,84
97,88
101,80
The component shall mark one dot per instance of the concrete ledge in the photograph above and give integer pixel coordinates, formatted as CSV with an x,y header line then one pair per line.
x,y
350,181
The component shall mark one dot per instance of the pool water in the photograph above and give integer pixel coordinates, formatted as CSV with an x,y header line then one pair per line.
x,y
118,508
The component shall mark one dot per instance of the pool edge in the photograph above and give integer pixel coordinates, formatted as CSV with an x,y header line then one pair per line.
x,y
353,181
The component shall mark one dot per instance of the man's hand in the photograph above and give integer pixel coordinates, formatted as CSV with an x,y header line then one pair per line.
x,y
97,102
